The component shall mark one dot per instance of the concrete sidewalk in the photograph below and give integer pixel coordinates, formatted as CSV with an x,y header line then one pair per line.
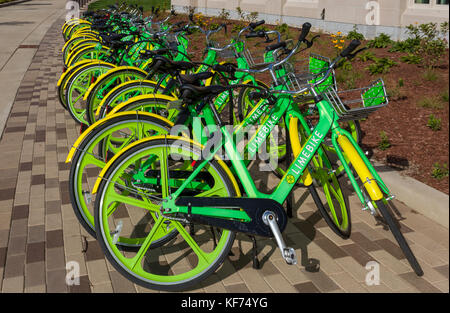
x,y
22,28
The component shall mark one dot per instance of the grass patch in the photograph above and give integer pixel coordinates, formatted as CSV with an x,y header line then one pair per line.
x,y
430,75
430,103
147,4
444,95
4,1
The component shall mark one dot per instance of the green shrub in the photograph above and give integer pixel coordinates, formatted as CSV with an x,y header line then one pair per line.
x,y
432,42
409,45
400,82
381,66
411,58
434,123
384,143
381,41
439,171
367,56
354,35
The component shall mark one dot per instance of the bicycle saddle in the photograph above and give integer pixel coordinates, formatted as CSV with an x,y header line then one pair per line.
x,y
189,91
195,79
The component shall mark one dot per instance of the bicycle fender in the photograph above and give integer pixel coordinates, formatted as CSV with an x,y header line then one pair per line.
x,y
84,66
100,122
360,168
219,160
102,103
111,72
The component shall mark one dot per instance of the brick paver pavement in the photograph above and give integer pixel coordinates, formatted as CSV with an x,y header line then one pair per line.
x,y
39,232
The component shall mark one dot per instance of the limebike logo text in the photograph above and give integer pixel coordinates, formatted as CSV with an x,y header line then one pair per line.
x,y
306,152
262,135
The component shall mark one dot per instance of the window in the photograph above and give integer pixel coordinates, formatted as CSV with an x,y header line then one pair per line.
x,y
422,1
442,2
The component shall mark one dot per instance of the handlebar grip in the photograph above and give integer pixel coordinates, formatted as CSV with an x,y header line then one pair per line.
x,y
256,24
275,46
305,31
352,46
227,68
260,34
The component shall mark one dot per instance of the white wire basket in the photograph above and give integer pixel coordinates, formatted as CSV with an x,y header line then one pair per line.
x,y
356,104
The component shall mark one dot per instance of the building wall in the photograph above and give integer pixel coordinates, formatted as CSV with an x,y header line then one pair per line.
x,y
371,17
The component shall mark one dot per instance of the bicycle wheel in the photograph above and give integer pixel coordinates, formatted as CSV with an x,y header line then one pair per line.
x,y
99,145
162,165
121,94
385,212
78,85
88,53
326,189
105,84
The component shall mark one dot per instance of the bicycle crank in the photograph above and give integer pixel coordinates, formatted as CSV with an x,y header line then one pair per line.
x,y
288,254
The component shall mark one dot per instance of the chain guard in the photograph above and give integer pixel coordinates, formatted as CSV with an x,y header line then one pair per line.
x,y
254,207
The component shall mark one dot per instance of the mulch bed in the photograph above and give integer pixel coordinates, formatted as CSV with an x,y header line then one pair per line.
x,y
414,146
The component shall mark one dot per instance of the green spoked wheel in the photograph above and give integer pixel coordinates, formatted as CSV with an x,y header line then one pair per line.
x,y
91,52
121,94
61,89
326,190
161,169
77,43
105,84
94,150
78,85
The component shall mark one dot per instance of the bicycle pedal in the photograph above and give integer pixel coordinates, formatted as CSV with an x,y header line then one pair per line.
x,y
290,256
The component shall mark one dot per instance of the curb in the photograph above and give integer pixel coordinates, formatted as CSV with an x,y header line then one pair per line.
x,y
422,198
13,3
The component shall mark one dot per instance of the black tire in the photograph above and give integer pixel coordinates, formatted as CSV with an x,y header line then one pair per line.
x,y
390,221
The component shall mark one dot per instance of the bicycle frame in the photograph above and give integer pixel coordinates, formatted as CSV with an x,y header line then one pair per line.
x,y
327,122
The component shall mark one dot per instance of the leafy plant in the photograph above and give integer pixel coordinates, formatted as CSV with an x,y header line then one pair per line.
x,y
384,143
381,41
400,82
439,171
411,58
354,35
434,123
409,45
367,56
432,42
224,14
381,66
283,29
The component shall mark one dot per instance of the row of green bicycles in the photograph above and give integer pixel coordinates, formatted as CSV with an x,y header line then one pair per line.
x,y
160,173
